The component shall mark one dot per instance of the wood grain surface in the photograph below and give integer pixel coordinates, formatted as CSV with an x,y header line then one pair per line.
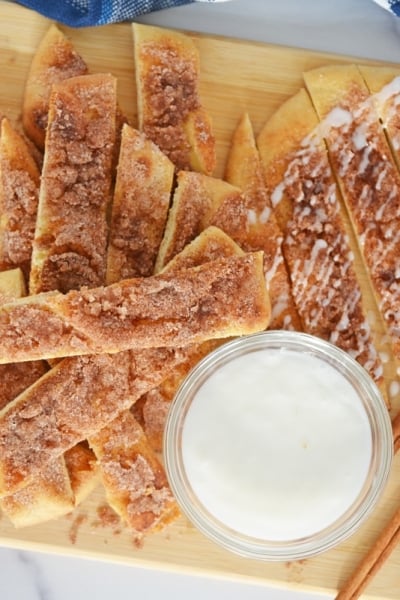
x,y
236,76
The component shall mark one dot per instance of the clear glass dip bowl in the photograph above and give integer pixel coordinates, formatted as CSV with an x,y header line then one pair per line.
x,y
196,486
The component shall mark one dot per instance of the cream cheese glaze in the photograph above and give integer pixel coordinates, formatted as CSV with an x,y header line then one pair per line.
x,y
280,453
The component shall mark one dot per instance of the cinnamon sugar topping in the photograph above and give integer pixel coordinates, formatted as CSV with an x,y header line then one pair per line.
x,y
69,246
321,263
135,482
71,402
371,185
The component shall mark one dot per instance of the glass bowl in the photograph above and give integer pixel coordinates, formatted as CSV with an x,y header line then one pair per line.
x,y
278,445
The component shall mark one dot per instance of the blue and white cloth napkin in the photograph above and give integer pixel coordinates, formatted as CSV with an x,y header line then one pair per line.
x,y
392,5
86,13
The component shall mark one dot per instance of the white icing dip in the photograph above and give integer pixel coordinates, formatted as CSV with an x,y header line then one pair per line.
x,y
276,444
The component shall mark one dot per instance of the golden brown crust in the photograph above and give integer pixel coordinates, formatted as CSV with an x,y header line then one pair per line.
x,y
140,207
151,409
12,285
196,199
384,86
48,497
83,471
368,177
71,402
169,107
55,60
19,191
134,479
71,233
219,299
251,222
16,377
304,195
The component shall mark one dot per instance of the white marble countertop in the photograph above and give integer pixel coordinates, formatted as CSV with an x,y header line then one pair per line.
x,y
355,27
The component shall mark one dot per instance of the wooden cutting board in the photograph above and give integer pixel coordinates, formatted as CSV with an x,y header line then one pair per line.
x,y
236,76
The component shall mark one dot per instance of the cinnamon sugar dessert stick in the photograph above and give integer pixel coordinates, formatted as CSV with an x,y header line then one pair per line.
x,y
151,409
222,298
75,191
140,207
19,193
368,177
196,199
373,561
55,59
83,471
71,402
316,247
50,495
135,483
170,111
251,222
134,479
384,86
16,377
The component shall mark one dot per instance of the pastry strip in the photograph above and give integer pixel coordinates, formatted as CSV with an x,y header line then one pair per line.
x,y
134,479
151,409
170,111
219,299
368,177
140,207
303,192
71,402
196,199
50,495
55,59
16,377
19,192
76,185
384,86
83,471
251,222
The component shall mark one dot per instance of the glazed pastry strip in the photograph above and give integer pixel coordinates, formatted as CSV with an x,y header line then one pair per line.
x,y
368,177
251,222
306,201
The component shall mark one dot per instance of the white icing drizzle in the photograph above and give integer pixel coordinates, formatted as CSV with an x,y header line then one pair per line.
x,y
371,180
278,260
317,250
260,213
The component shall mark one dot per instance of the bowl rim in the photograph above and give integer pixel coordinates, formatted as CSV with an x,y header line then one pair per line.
x,y
358,511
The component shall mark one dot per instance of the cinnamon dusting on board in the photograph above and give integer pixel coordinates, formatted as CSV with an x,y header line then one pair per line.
x,y
77,522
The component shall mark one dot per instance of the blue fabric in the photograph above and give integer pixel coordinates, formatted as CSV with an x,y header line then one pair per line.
x,y
391,5
394,7
85,13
